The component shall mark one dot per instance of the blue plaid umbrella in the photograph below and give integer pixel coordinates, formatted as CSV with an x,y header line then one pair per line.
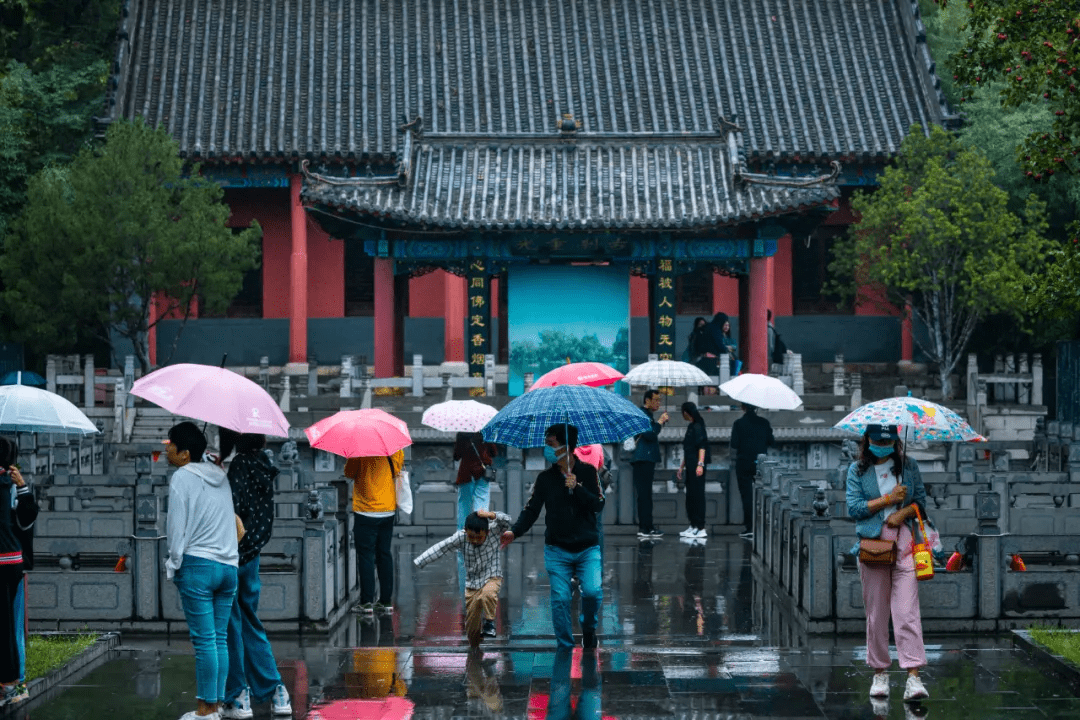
x,y
599,415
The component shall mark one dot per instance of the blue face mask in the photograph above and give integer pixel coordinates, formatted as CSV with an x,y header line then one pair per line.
x,y
551,455
882,451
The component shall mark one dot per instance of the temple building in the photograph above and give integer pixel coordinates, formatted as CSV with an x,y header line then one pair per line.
x,y
415,163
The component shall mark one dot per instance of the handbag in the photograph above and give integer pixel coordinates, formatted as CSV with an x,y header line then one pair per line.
x,y
875,551
920,553
404,492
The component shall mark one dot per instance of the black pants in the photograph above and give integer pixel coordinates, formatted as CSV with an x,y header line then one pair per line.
x,y
373,536
746,493
10,577
643,480
695,498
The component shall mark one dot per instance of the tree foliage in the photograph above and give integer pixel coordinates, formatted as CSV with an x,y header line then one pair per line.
x,y
101,237
939,233
1031,48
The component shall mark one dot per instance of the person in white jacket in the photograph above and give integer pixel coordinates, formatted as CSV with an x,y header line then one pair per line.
x,y
203,558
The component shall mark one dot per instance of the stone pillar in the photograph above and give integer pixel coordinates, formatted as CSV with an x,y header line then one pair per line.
x,y
454,314
89,391
821,563
478,327
386,338
757,337
663,310
990,560
298,274
146,563
515,480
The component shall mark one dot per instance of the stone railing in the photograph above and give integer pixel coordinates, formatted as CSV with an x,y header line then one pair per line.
x,y
804,537
100,549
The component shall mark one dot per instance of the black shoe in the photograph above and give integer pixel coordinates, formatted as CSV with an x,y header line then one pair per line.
x,y
644,535
488,628
589,641
656,533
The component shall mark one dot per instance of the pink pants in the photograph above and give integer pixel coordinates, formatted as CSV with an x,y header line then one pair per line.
x,y
893,591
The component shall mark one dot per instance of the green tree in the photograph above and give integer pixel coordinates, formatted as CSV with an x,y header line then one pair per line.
x,y
939,233
101,238
1032,49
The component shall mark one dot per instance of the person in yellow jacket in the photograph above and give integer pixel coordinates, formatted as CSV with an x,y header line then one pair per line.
x,y
374,503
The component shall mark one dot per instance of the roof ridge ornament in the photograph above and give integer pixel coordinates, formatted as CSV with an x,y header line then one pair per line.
x,y
403,174
742,175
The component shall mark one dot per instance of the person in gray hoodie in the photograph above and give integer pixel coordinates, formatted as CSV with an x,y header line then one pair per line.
x,y
202,536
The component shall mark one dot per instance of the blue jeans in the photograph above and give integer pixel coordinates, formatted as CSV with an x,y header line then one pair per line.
x,y
207,589
561,566
559,701
251,659
472,496
20,627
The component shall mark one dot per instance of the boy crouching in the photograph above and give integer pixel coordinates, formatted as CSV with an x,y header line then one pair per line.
x,y
479,543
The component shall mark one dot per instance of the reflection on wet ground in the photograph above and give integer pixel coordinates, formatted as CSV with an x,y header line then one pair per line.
x,y
682,637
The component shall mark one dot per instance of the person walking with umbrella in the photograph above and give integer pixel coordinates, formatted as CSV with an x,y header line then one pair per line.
x,y
570,493
473,488
202,534
253,673
751,435
375,507
646,455
696,456
883,489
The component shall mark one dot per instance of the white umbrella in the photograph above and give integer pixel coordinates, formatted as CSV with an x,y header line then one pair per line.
x,y
30,409
667,373
761,391
458,416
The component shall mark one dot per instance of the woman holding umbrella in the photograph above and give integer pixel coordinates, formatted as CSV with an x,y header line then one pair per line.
x,y
473,489
696,457
883,489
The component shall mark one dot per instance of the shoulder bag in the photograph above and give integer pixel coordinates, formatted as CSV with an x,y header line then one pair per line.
x,y
875,551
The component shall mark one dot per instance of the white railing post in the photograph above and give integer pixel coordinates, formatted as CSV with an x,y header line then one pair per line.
x,y
89,392
489,375
346,376
1036,379
418,376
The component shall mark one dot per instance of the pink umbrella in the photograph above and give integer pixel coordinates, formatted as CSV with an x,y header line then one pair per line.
x,y
593,374
591,454
214,395
360,433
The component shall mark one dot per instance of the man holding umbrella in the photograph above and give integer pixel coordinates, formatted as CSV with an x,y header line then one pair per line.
x,y
570,492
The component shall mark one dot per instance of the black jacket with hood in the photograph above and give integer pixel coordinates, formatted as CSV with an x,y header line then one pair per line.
x,y
571,515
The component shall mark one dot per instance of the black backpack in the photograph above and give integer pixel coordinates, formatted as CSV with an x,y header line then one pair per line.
x,y
779,350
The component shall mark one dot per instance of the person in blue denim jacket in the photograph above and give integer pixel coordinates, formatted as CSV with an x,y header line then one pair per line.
x,y
883,489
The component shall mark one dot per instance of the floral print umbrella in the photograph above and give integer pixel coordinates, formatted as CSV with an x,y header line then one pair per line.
x,y
919,420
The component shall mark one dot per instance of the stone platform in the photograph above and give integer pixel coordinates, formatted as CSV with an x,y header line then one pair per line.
x,y
681,638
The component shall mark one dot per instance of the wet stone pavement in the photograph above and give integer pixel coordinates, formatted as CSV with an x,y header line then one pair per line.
x,y
682,636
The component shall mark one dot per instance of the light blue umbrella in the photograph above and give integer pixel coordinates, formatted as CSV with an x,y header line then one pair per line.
x,y
600,416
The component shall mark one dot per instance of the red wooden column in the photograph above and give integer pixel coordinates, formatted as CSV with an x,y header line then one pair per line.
x,y
907,342
454,318
298,274
757,334
386,338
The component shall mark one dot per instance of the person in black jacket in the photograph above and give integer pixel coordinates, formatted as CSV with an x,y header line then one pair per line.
x,y
253,673
696,457
751,435
570,493
18,510
646,455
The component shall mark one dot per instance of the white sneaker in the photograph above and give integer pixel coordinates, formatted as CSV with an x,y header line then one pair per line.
x,y
914,690
688,532
238,708
880,687
195,716
280,703
701,534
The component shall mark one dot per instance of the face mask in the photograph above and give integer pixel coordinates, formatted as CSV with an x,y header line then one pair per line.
x,y
882,451
551,455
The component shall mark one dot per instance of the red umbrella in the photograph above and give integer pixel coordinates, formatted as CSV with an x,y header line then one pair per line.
x,y
593,374
392,708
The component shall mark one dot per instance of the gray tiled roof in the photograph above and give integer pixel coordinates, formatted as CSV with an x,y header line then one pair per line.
x,y
327,79
568,186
